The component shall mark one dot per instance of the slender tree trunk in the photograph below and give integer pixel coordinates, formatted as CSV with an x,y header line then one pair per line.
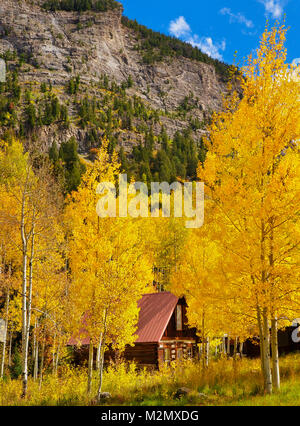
x,y
275,356
36,352
36,361
102,356
264,322
9,349
235,357
207,346
34,343
203,343
57,359
24,325
42,362
235,348
29,298
90,367
53,354
241,349
2,266
228,345
224,345
274,323
261,338
266,353
24,294
1,262
101,368
5,333
203,356
98,357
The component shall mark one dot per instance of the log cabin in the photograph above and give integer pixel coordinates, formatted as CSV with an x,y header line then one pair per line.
x,y
286,345
162,334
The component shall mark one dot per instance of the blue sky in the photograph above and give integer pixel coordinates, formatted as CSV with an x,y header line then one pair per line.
x,y
219,27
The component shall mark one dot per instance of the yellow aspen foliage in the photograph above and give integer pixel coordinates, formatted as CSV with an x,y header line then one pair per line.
x,y
30,207
252,176
110,269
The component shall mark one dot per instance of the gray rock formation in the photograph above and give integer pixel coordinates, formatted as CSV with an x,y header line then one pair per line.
x,y
64,44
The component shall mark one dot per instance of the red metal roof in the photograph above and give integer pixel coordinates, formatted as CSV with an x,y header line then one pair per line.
x,y
155,313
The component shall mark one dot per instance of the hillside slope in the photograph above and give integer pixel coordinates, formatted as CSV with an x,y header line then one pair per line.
x,y
126,97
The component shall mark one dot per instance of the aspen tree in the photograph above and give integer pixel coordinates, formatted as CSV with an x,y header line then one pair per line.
x,y
109,265
34,205
8,259
252,175
195,279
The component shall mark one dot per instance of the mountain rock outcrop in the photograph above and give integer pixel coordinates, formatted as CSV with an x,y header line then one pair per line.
x,y
56,46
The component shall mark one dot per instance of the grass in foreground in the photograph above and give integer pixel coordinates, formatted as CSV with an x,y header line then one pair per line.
x,y
225,382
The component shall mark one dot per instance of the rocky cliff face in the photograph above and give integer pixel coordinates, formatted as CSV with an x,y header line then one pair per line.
x,y
64,44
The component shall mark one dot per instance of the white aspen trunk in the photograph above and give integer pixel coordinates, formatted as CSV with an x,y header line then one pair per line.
x,y
200,350
98,356
203,343
9,349
24,298
36,352
42,363
5,334
36,361
261,337
57,359
228,345
24,325
34,343
266,354
101,368
53,354
29,298
90,367
201,354
224,345
274,323
275,355
266,359
102,356
235,348
241,349
207,346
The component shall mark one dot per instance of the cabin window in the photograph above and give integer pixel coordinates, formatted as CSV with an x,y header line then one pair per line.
x,y
179,318
167,355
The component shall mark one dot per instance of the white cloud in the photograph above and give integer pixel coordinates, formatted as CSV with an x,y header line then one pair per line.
x,y
296,61
179,27
237,17
208,46
249,33
275,8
